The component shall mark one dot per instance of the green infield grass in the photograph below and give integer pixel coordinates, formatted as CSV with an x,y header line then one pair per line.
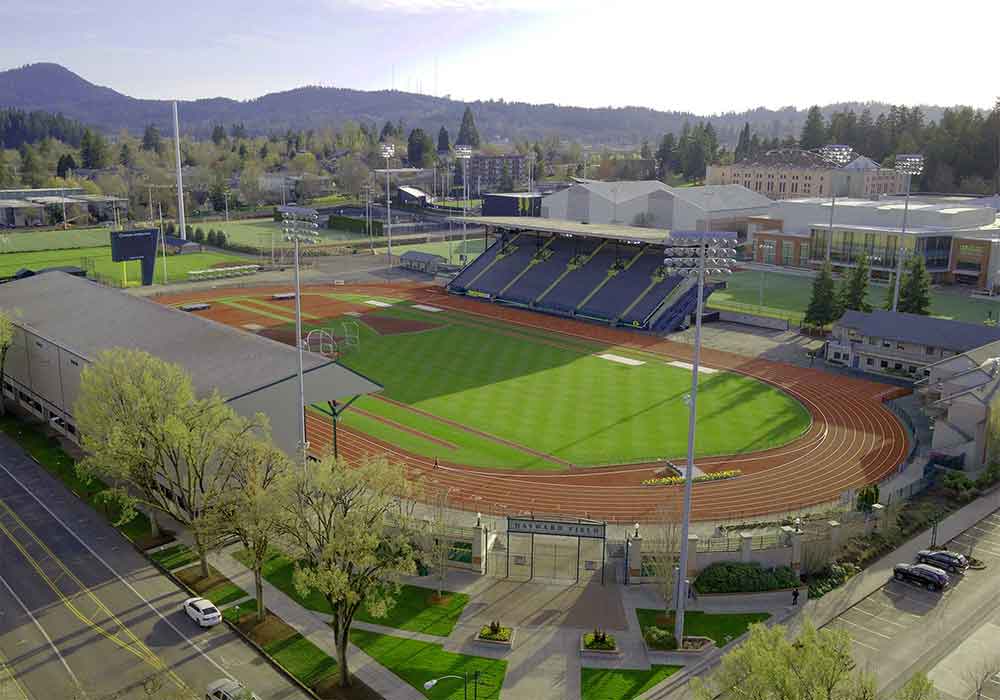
x,y
26,241
787,296
476,392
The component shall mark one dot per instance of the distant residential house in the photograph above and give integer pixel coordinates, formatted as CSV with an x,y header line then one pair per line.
x,y
905,345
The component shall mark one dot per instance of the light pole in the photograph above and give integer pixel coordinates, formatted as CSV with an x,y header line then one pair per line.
x,y
909,164
388,151
694,254
763,246
463,153
464,678
838,155
299,222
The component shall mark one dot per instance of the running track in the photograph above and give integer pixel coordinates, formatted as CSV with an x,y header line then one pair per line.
x,y
853,440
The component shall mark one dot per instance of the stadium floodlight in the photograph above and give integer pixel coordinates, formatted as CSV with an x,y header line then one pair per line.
x,y
695,254
908,164
298,223
464,153
838,155
388,151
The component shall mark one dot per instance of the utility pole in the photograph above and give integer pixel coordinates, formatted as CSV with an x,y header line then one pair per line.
x,y
180,179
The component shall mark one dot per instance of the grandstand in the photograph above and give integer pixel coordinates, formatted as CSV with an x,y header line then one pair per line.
x,y
604,273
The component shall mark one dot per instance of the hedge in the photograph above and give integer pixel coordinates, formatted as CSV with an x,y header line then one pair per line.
x,y
740,577
347,223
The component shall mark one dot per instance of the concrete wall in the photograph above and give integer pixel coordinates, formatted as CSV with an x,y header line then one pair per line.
x,y
777,324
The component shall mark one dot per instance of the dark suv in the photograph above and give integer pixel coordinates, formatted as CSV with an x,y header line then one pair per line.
x,y
924,575
943,559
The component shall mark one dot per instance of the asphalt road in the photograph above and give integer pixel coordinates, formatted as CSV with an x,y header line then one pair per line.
x,y
83,615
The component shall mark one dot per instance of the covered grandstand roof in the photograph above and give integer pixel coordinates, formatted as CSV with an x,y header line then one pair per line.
x,y
618,232
87,318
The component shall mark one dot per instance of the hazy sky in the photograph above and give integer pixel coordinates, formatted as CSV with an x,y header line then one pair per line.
x,y
667,54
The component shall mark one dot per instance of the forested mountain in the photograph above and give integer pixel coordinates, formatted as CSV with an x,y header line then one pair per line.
x,y
53,88
18,127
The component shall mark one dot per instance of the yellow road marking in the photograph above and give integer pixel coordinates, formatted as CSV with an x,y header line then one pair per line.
x,y
136,647
7,675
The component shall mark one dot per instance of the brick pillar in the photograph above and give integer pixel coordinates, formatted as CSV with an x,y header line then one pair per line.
x,y
746,547
797,552
692,556
878,515
634,551
479,552
836,535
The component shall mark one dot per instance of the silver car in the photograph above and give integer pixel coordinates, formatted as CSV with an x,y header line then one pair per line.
x,y
228,689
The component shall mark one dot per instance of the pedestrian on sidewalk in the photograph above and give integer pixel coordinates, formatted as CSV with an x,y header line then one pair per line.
x,y
795,596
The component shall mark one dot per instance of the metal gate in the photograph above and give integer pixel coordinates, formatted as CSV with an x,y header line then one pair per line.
x,y
562,552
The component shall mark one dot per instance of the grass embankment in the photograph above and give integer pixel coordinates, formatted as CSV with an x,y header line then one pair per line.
x,y
414,609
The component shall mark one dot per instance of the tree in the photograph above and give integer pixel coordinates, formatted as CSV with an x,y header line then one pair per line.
x,y
814,130
348,531
6,340
824,305
915,287
665,155
468,135
388,131
93,150
919,687
33,171
436,542
856,288
415,148
251,509
661,550
506,178
444,141
978,672
162,447
151,139
817,664
125,155
218,134
890,292
65,165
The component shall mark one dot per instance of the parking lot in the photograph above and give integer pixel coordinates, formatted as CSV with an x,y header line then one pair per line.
x,y
901,627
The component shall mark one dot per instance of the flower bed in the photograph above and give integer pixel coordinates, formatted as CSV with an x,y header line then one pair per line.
x,y
675,480
494,634
599,643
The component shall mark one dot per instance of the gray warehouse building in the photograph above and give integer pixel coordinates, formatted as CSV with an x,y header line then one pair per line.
x,y
63,322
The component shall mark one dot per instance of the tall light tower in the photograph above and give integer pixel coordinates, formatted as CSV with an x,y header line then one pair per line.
x,y
909,164
463,153
388,151
298,223
695,254
180,180
839,155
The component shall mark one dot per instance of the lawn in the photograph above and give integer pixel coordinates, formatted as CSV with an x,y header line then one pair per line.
x,y
235,612
411,611
417,662
177,265
258,232
720,627
174,557
27,241
786,296
459,203
554,397
620,684
302,659
472,248
225,593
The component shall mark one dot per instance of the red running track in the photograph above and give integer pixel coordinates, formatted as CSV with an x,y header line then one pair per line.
x,y
854,440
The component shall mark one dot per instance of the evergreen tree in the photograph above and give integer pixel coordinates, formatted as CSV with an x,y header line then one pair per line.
x,y
151,139
823,304
415,146
125,155
665,154
891,291
33,172
238,131
444,141
218,134
93,150
66,164
7,177
743,144
468,135
856,288
388,131
915,288
814,130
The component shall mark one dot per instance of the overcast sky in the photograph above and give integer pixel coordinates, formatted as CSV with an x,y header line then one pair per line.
x,y
704,57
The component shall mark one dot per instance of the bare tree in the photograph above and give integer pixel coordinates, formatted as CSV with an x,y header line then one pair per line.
x,y
978,672
436,542
661,550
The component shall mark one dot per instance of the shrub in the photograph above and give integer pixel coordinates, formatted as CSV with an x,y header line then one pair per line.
x,y
824,581
220,239
495,632
959,486
674,480
170,228
867,497
739,577
659,638
199,235
599,640
212,237
988,477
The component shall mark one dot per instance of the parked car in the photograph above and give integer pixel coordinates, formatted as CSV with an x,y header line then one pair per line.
x,y
943,559
227,689
202,611
924,575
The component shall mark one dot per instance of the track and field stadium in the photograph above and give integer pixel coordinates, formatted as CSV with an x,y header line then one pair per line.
x,y
519,412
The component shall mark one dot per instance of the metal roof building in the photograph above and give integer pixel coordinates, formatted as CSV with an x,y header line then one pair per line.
x,y
64,322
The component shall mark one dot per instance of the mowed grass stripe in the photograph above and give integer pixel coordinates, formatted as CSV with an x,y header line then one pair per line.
x,y
566,402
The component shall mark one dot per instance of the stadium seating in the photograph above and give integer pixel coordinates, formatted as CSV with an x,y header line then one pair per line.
x,y
473,269
621,290
575,286
650,301
675,318
507,267
541,276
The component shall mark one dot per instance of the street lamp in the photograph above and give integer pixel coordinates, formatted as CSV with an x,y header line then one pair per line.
x,y
388,151
465,678
464,153
839,155
695,254
297,223
908,164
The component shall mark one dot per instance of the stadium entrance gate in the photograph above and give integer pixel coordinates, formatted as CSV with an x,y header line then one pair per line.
x,y
550,550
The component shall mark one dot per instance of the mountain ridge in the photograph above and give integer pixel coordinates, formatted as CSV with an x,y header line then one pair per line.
x,y
54,88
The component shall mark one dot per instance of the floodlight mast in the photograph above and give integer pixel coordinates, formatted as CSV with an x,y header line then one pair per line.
x,y
388,151
909,164
180,180
838,155
463,153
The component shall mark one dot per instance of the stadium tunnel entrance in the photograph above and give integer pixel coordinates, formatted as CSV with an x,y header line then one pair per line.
x,y
550,551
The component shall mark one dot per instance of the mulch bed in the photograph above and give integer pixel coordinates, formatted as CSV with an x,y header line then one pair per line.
x,y
191,576
387,325
282,335
149,541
